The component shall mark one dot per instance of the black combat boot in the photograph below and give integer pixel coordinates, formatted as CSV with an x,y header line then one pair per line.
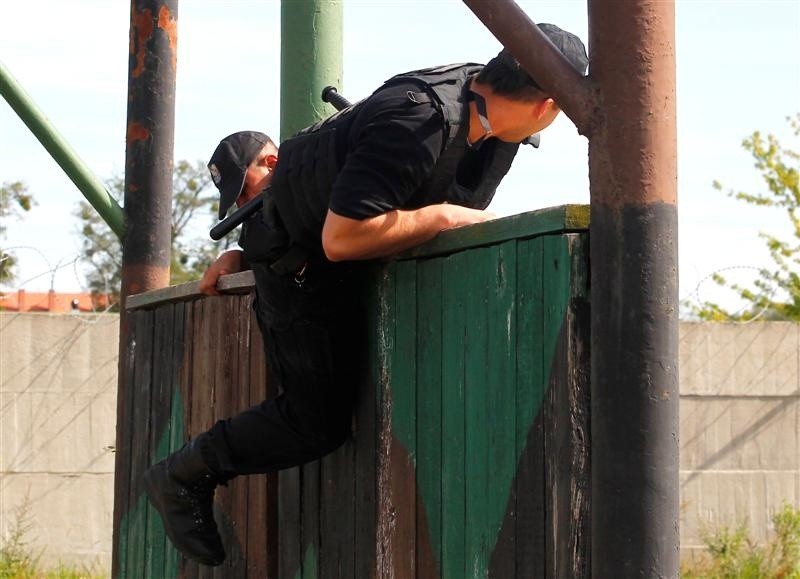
x,y
181,487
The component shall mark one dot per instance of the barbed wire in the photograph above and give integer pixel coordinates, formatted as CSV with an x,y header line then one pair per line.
x,y
762,297
72,261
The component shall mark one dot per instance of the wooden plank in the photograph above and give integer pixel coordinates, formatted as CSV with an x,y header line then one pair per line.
x,y
262,557
566,411
403,391
160,412
181,357
235,283
366,430
201,392
430,336
309,517
240,401
500,388
454,275
142,383
122,460
337,513
564,218
530,488
226,329
290,538
385,307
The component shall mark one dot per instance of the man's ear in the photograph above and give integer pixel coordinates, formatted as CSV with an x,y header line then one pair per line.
x,y
272,160
543,107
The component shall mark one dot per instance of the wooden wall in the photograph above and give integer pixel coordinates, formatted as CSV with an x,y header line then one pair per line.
x,y
470,454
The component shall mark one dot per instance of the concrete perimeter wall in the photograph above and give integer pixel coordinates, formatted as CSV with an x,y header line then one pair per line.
x,y
740,425
740,428
58,379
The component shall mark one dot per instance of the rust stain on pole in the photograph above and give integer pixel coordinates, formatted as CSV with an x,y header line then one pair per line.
x,y
636,162
170,26
141,32
137,132
537,55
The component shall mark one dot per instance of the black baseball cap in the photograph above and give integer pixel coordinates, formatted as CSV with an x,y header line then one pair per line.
x,y
229,163
567,43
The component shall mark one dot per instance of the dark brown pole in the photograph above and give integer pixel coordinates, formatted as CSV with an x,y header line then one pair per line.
x,y
537,55
147,240
634,280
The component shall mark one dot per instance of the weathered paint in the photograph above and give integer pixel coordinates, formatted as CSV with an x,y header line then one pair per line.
x,y
137,132
169,25
633,179
141,31
466,410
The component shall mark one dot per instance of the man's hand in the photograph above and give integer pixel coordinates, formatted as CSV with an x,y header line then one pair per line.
x,y
229,262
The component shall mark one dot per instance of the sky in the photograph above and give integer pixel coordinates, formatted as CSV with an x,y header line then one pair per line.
x,y
738,71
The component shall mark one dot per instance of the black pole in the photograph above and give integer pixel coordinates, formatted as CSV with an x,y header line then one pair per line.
x,y
147,239
634,280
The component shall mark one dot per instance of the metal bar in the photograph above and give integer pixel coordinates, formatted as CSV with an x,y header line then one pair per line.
x,y
634,280
311,59
146,245
86,182
537,55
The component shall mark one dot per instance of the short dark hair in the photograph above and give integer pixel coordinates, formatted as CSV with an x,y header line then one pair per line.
x,y
506,77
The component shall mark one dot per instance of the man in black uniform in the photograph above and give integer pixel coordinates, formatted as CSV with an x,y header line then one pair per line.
x,y
422,154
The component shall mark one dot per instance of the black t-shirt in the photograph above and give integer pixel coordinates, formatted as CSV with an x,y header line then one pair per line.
x,y
392,146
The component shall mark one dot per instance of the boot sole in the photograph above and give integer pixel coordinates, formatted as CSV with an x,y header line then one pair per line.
x,y
155,478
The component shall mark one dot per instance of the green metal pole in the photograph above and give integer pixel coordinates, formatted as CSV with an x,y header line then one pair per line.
x,y
59,149
311,59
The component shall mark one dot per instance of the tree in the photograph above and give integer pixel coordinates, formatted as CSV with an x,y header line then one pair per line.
x,y
775,293
191,254
14,200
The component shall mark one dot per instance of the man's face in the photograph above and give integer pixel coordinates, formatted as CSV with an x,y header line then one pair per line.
x,y
258,175
531,119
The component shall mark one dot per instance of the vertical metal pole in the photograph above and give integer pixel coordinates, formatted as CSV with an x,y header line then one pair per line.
x,y
311,59
634,281
146,244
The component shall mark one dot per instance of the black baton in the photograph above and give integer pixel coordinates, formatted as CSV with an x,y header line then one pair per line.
x,y
232,221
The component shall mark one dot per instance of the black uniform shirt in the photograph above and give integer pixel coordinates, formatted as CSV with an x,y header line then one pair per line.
x,y
392,146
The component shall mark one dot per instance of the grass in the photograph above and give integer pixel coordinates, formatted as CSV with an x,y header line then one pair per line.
x,y
18,560
732,554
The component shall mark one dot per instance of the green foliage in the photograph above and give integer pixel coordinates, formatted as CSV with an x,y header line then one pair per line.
x,y
14,201
731,554
191,255
17,560
775,293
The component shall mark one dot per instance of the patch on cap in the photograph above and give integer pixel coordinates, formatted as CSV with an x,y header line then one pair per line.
x,y
215,174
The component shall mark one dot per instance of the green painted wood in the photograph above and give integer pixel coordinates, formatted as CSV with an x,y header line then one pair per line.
x,y
454,323
430,339
479,265
501,386
142,386
160,410
366,432
529,523
550,221
403,393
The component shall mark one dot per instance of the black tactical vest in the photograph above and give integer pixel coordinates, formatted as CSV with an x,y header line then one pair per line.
x,y
309,161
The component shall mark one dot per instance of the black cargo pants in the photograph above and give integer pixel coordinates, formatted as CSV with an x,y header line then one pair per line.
x,y
314,340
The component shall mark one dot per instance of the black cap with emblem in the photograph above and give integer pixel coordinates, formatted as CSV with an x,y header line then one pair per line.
x,y
229,163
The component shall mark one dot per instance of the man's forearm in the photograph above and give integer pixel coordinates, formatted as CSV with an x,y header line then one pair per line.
x,y
392,232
